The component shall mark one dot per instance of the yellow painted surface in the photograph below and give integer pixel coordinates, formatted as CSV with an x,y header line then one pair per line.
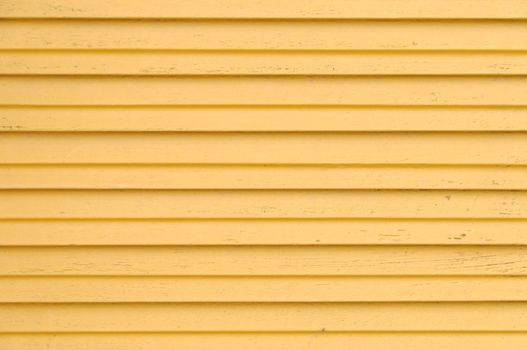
x,y
304,174
292,9
66,62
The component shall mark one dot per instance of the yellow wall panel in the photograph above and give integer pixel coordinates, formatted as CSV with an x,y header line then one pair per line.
x,y
258,34
304,174
264,261
247,317
290,204
247,232
262,118
248,177
264,9
265,148
143,289
265,341
264,91
77,62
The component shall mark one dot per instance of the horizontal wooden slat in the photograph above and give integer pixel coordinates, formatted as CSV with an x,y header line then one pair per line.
x,y
263,35
67,204
246,172
263,261
264,9
264,317
269,118
268,148
260,177
380,91
261,232
262,63
263,341
260,289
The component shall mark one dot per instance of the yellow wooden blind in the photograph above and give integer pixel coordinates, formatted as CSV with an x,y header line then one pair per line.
x,y
264,175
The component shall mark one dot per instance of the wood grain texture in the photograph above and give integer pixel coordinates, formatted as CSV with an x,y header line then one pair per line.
x,y
307,317
250,232
265,261
261,118
263,35
260,289
264,91
173,63
265,341
292,9
265,148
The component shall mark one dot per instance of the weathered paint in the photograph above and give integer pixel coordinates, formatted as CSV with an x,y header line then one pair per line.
x,y
263,174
